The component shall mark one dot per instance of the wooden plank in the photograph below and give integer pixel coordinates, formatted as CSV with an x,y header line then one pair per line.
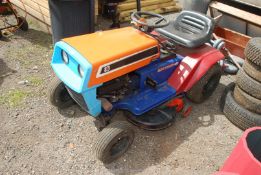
x,y
126,1
132,5
237,13
160,11
233,36
37,7
235,42
45,11
43,3
32,5
33,12
147,8
235,49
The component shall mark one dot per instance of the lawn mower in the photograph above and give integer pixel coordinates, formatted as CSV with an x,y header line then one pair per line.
x,y
10,18
137,70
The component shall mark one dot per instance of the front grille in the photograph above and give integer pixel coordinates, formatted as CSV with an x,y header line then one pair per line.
x,y
78,98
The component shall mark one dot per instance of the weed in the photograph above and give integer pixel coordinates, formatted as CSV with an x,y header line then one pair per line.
x,y
13,98
35,81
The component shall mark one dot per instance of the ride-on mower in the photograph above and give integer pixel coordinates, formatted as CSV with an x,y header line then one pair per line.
x,y
136,70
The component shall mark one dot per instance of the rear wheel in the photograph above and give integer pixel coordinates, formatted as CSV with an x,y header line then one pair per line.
x,y
58,94
205,87
113,141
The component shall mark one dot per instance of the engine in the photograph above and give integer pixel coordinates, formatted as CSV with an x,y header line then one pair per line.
x,y
118,88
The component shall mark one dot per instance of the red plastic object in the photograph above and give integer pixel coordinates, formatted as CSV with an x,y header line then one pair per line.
x,y
4,9
187,111
178,103
225,173
244,158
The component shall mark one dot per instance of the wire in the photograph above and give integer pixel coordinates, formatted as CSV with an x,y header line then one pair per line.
x,y
19,23
162,45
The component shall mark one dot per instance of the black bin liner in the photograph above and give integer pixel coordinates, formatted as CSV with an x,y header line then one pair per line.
x,y
71,18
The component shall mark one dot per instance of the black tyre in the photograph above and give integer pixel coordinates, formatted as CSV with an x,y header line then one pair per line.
x,y
248,84
250,103
58,94
252,70
224,95
253,51
238,115
205,87
23,23
113,141
1,35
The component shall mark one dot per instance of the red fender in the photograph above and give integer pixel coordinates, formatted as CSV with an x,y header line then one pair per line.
x,y
195,64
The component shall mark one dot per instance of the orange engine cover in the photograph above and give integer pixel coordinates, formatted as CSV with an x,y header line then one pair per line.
x,y
115,52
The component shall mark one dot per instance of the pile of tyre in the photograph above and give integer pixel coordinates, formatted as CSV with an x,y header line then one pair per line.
x,y
241,101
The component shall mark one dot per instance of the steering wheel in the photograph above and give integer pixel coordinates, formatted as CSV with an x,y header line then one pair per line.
x,y
159,21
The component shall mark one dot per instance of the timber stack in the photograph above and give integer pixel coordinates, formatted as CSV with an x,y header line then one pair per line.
x,y
126,7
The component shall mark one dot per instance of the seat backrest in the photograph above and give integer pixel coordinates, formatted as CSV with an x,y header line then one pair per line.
x,y
194,23
190,29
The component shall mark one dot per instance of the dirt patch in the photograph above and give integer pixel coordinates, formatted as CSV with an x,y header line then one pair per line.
x,y
36,139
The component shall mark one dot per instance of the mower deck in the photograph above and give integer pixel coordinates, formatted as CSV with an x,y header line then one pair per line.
x,y
153,120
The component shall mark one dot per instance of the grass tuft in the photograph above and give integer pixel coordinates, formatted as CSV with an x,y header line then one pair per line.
x,y
13,98
36,81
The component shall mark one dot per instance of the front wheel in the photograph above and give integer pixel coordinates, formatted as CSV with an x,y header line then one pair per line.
x,y
58,94
205,87
113,141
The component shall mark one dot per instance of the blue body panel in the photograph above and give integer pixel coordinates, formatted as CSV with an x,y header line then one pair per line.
x,y
147,97
158,70
68,74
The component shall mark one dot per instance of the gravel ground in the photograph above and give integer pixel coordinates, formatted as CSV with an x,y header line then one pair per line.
x,y
36,138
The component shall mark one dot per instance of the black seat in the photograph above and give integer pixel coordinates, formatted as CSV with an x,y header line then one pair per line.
x,y
190,29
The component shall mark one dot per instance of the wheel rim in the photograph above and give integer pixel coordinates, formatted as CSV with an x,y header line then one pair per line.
x,y
211,85
120,146
63,95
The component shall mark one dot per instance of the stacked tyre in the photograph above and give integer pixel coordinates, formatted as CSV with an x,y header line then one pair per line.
x,y
241,101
